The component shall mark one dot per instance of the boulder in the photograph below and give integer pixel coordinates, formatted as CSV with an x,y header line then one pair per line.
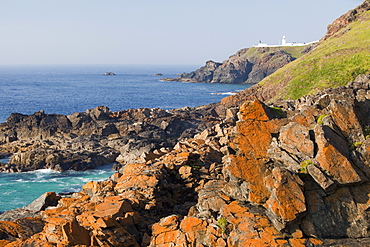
x,y
252,143
99,113
333,157
295,139
21,228
48,199
328,219
287,200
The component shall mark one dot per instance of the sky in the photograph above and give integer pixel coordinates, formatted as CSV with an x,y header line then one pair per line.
x,y
154,31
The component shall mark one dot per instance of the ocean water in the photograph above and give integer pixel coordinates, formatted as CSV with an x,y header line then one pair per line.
x,y
20,189
75,88
67,89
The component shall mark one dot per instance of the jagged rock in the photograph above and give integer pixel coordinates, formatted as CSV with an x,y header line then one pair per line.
x,y
98,190
75,234
295,139
252,145
346,19
234,71
211,198
20,229
333,150
86,140
99,113
323,180
18,213
327,218
48,199
203,74
287,200
278,155
62,160
346,118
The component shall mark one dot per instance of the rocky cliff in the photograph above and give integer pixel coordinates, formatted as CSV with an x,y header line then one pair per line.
x,y
293,174
248,66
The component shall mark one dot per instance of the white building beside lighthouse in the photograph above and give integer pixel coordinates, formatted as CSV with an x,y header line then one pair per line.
x,y
284,43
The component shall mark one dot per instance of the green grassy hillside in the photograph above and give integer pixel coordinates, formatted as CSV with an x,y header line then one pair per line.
x,y
335,62
294,51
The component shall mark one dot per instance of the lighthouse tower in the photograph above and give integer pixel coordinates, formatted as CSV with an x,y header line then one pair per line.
x,y
283,41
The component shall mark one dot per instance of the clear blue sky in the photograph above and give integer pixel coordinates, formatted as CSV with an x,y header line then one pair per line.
x,y
154,31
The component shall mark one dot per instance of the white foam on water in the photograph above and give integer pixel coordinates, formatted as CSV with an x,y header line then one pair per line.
x,y
225,93
45,171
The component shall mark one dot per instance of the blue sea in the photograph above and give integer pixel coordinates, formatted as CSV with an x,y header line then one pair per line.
x,y
65,89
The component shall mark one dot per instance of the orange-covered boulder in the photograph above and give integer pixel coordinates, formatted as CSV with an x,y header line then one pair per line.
x,y
333,157
287,200
295,139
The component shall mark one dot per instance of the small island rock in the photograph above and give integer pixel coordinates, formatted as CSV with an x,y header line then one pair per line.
x,y
109,73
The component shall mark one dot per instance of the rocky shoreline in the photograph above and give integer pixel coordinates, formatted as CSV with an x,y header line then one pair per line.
x,y
97,137
295,173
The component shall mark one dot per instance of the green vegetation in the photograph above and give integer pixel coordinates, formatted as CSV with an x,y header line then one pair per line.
x,y
355,145
335,62
304,165
367,132
294,51
320,119
278,111
196,165
222,223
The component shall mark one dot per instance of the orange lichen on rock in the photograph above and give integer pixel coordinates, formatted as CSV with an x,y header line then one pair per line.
x,y
333,156
287,200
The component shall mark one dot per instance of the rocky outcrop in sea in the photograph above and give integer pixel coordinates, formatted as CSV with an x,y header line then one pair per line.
x,y
295,173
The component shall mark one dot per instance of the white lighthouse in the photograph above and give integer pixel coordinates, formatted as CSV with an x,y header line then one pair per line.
x,y
283,41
